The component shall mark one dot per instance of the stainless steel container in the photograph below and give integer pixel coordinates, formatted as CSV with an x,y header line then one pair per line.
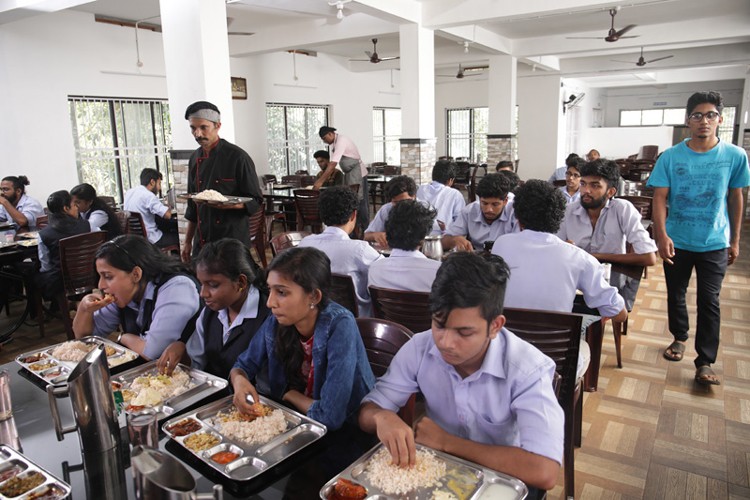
x,y
432,247
159,476
93,404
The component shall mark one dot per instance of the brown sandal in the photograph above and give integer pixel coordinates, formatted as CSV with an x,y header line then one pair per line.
x,y
675,351
706,376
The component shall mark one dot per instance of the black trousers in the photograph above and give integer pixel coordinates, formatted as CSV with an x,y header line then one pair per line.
x,y
363,211
710,268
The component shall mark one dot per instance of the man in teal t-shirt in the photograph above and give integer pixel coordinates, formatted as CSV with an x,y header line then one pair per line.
x,y
701,180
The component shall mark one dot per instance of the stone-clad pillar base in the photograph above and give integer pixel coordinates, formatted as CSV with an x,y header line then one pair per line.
x,y
418,156
501,147
180,159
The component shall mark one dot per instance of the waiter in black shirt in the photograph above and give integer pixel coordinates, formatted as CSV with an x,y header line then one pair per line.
x,y
223,167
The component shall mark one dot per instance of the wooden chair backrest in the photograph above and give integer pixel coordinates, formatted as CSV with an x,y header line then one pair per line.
x,y
285,241
410,309
77,261
343,292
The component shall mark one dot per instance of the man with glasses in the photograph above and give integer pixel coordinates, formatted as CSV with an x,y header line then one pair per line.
x,y
571,189
701,180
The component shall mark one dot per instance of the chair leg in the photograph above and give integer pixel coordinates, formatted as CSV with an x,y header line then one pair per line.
x,y
617,328
39,307
65,315
568,451
579,416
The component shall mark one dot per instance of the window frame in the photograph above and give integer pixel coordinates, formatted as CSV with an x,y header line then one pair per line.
x,y
380,140
472,134
287,143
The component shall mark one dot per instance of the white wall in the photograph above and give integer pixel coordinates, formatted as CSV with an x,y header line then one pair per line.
x,y
665,96
48,57
541,126
621,142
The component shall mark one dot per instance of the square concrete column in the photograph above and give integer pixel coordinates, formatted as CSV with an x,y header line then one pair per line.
x,y
418,152
502,142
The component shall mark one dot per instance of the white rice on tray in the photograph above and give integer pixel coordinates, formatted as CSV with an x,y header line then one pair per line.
x,y
259,431
153,389
210,195
427,472
73,350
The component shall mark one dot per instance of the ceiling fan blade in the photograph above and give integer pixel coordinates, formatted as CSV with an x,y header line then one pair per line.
x,y
619,61
360,60
659,59
629,36
369,54
584,37
388,58
240,33
624,30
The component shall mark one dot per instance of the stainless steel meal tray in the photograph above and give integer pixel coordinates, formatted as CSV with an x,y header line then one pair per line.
x,y
301,431
230,200
121,360
10,459
465,480
204,385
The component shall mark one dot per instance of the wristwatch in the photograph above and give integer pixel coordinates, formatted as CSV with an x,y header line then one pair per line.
x,y
119,337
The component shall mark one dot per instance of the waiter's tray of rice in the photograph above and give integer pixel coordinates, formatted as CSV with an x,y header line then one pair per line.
x,y
435,476
214,197
145,387
53,364
242,446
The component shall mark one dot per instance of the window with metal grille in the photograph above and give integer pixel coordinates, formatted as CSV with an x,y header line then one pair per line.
x,y
676,117
293,136
115,138
467,133
386,127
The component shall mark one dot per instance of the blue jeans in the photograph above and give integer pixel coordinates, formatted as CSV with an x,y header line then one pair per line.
x,y
710,268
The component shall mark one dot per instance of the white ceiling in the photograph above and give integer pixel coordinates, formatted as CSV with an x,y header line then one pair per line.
x,y
706,37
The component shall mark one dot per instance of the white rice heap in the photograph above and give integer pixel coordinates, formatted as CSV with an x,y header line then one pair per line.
x,y
427,472
259,431
73,350
210,195
153,389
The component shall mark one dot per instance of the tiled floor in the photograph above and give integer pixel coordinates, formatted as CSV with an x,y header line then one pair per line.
x,y
649,432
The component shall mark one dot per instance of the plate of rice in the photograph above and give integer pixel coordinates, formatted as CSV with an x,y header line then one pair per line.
x,y
254,430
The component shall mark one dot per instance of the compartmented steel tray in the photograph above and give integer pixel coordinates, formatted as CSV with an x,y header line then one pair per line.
x,y
230,200
15,465
463,480
252,459
51,370
203,385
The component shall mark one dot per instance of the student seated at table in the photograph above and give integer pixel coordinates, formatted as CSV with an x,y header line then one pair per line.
x,y
149,294
399,188
144,200
310,345
95,210
485,219
559,173
407,268
514,181
602,224
234,290
16,206
338,211
572,188
323,157
488,395
439,193
63,222
546,271
505,166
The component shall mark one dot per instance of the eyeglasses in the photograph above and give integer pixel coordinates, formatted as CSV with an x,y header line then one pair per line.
x,y
698,116
574,176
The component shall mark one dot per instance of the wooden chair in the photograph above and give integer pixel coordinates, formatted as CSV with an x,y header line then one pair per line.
x,y
558,335
463,175
42,221
301,172
135,225
411,309
78,272
257,231
648,153
343,292
285,241
122,219
306,180
382,340
292,180
376,167
110,201
392,170
473,181
266,178
644,205
306,201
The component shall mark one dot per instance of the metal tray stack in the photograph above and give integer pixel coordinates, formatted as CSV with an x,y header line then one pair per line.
x,y
11,460
464,480
57,372
203,385
301,431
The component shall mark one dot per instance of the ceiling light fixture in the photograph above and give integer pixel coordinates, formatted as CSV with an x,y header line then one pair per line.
x,y
339,4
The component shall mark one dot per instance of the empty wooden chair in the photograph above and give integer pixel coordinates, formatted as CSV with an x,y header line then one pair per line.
x,y
135,225
558,335
382,340
292,180
257,231
411,309
78,271
285,241
392,170
306,201
343,292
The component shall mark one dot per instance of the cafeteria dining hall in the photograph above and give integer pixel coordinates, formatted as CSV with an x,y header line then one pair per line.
x,y
349,249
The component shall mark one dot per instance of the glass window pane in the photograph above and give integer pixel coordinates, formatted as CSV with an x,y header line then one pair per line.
x,y
726,129
630,118
674,116
652,117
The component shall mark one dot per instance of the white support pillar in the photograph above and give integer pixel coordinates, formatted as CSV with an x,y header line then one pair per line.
x,y
196,57
502,143
417,50
744,135
541,126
